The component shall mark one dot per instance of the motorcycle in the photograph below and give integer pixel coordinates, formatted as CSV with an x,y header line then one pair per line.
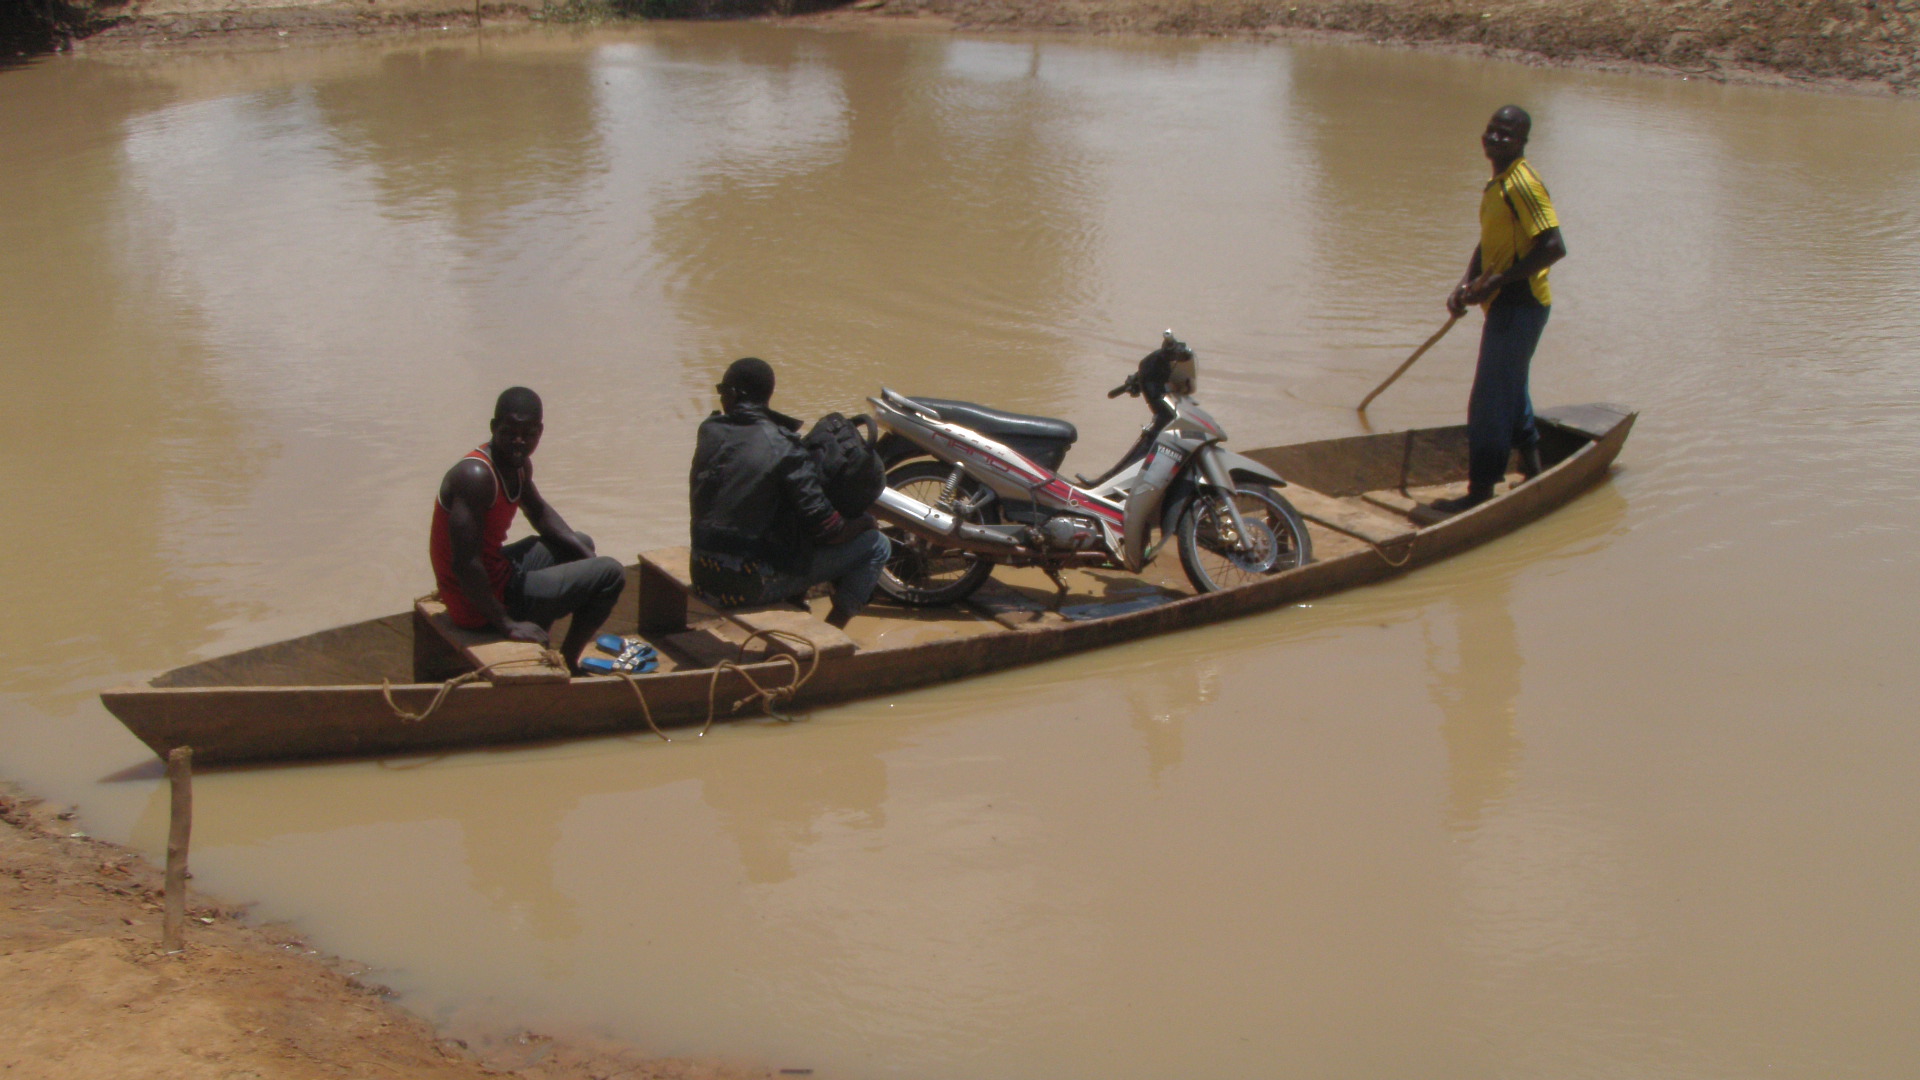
x,y
969,488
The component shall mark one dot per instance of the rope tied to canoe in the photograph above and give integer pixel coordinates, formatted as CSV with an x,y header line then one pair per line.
x,y
1378,548
546,657
771,697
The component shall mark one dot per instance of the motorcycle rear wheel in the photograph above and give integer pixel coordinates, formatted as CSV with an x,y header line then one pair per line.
x,y
921,573
1278,539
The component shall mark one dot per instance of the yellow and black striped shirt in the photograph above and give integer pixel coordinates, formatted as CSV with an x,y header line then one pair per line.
x,y
1514,210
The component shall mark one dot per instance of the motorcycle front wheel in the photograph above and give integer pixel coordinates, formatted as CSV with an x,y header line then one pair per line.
x,y
1277,539
922,573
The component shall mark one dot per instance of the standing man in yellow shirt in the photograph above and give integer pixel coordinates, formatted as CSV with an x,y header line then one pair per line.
x,y
1519,239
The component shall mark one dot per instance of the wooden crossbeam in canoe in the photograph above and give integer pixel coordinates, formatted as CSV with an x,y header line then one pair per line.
x,y
666,584
506,663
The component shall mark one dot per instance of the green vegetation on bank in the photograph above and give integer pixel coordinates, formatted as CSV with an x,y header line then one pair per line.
x,y
36,26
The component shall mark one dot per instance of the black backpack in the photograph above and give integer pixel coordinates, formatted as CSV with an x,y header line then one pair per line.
x,y
850,471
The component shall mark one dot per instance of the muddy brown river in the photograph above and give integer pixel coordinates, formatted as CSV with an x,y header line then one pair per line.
x,y
1629,793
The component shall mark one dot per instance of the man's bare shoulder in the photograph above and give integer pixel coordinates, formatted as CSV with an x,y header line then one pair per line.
x,y
470,480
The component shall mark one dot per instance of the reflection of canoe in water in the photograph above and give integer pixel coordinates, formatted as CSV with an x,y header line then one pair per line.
x,y
1363,497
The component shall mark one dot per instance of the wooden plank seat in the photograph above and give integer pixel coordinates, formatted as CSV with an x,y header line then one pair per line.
x,y
513,663
1359,522
666,583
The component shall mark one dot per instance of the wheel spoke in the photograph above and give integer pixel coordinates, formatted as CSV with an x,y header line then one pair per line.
x,y
1274,540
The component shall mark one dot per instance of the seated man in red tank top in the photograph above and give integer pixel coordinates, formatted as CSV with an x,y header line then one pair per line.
x,y
516,589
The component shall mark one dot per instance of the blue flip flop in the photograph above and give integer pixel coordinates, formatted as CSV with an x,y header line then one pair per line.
x,y
623,648
600,665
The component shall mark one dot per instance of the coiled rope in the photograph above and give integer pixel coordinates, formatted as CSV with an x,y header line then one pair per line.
x,y
549,657
770,697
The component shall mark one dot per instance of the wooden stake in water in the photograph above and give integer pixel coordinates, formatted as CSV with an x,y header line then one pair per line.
x,y
179,831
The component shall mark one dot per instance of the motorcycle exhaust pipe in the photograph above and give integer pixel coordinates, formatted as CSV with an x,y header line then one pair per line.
x,y
912,514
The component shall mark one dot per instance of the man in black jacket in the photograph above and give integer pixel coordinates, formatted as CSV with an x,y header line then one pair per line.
x,y
763,530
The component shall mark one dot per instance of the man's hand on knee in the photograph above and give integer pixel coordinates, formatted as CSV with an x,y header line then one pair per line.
x,y
524,631
844,529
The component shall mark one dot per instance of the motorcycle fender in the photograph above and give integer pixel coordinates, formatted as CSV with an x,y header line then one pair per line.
x,y
1178,496
1145,500
1213,471
1240,467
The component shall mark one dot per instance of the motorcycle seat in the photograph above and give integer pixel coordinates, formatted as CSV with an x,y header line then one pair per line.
x,y
1002,425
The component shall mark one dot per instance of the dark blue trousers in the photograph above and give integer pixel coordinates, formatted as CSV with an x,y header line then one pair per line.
x,y
1499,411
544,587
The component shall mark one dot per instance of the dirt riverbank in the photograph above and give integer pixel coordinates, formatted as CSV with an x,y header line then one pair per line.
x,y
1858,45
91,994
1869,41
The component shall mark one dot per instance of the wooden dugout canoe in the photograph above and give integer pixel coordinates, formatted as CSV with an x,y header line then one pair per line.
x,y
322,695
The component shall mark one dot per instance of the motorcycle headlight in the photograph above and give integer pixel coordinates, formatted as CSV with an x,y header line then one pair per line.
x,y
1180,379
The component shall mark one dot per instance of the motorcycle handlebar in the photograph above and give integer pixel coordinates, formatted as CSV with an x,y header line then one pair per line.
x,y
1121,389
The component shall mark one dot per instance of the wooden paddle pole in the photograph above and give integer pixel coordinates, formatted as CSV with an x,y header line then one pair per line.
x,y
179,831
1401,370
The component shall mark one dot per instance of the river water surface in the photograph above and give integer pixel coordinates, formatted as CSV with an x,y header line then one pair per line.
x,y
1629,793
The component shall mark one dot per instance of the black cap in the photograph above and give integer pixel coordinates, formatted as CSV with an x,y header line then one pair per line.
x,y
752,378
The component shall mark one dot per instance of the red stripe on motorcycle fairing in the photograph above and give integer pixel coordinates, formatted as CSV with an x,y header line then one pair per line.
x,y
1032,474
1034,471
1071,495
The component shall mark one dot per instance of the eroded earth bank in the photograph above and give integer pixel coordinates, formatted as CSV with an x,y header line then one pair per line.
x,y
1862,44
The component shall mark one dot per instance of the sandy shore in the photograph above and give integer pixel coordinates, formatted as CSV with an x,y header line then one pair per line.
x,y
91,994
